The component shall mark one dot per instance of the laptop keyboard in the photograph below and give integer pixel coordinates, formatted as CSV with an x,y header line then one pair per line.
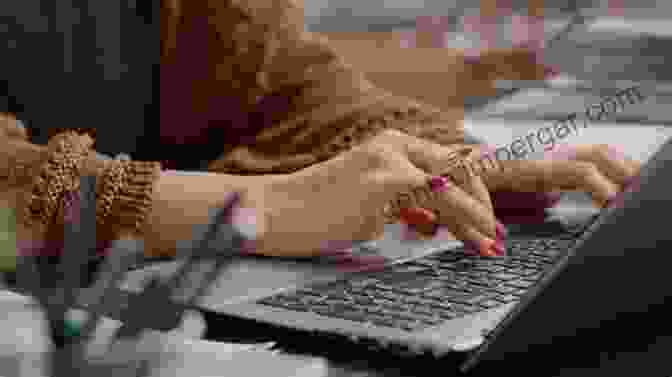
x,y
431,290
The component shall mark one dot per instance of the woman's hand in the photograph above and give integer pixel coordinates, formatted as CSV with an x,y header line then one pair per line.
x,y
344,199
520,187
600,170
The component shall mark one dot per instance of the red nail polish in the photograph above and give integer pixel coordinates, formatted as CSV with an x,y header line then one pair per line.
x,y
438,183
501,230
470,251
417,216
485,246
499,248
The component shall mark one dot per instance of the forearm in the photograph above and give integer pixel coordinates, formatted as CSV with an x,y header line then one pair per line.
x,y
180,199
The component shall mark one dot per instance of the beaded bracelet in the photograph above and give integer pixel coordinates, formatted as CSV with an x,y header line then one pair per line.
x,y
112,179
126,196
66,154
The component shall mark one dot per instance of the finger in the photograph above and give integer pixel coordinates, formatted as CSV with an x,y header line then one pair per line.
x,y
407,186
612,162
433,158
552,175
450,200
472,184
472,239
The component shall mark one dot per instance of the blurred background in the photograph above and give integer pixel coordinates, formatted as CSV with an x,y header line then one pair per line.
x,y
616,44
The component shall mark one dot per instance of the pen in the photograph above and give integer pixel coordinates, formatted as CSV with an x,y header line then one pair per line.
x,y
194,276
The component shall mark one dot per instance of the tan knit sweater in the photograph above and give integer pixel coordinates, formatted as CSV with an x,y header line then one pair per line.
x,y
260,47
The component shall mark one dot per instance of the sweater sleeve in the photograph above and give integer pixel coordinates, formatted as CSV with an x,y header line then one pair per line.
x,y
306,102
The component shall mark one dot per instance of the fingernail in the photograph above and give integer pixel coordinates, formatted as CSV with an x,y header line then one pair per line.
x,y
417,216
485,246
611,200
631,184
470,247
470,251
438,184
499,248
502,232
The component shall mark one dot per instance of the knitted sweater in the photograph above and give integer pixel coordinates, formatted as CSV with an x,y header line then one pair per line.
x,y
278,96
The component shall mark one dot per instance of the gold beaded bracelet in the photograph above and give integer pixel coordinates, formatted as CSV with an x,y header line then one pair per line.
x,y
126,197
112,180
60,173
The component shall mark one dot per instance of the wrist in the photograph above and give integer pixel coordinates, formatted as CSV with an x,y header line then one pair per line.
x,y
183,201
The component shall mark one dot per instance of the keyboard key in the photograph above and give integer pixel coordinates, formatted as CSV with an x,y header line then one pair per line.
x,y
489,304
448,314
485,282
520,284
441,305
520,292
466,309
505,276
506,299
421,309
420,285
536,277
505,290
352,315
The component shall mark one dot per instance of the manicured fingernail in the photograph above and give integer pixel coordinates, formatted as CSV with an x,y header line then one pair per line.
x,y
632,184
612,200
485,246
470,247
470,251
438,184
499,248
502,232
417,216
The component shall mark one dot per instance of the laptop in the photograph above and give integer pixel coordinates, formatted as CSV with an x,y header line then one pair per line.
x,y
436,300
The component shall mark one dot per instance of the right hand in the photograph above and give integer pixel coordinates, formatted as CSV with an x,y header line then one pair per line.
x,y
342,199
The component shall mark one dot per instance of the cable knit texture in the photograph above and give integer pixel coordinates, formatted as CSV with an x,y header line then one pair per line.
x,y
301,102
